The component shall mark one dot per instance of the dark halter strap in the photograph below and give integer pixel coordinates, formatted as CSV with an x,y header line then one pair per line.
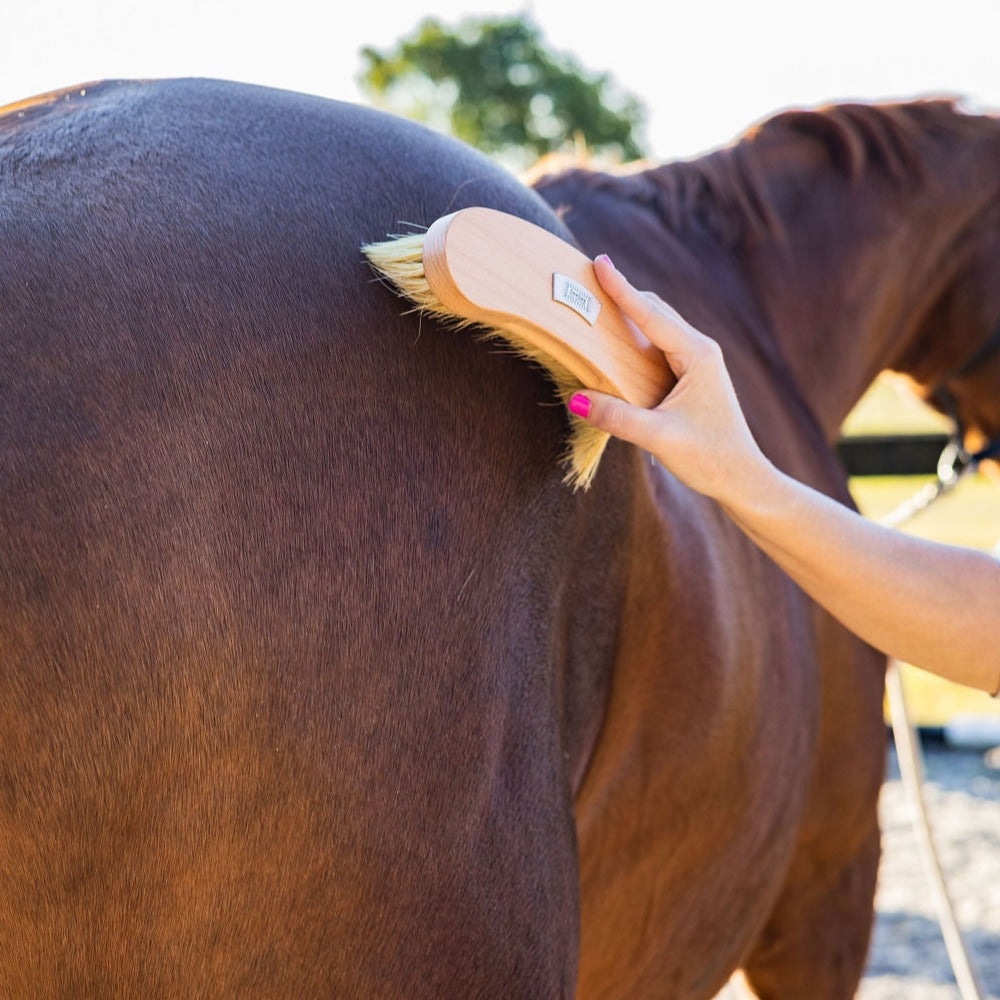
x,y
955,458
985,351
990,450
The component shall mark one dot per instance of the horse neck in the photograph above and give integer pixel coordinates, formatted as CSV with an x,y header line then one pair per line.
x,y
859,227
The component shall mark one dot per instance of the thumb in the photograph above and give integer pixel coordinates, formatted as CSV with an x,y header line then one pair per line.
x,y
617,417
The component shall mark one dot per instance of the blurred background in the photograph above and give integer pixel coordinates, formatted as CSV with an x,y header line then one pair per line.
x,y
704,71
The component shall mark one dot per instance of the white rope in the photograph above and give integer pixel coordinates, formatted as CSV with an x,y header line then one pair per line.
x,y
911,769
952,466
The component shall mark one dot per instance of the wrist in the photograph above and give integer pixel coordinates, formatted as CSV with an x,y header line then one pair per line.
x,y
750,488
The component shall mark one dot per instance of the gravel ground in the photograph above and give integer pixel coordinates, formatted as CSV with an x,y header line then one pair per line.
x,y
908,959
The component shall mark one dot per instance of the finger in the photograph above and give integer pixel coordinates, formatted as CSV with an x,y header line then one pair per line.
x,y
639,308
618,418
659,321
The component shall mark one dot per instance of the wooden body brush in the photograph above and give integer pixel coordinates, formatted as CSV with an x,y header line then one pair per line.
x,y
537,293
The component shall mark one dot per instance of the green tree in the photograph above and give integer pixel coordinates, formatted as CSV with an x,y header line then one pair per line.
x,y
495,85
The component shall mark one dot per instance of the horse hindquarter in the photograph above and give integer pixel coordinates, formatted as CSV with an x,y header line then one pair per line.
x,y
278,636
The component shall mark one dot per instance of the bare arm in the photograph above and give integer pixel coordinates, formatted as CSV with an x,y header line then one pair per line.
x,y
929,604
933,605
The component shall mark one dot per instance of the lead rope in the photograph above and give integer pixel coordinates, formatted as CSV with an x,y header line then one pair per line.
x,y
953,464
911,769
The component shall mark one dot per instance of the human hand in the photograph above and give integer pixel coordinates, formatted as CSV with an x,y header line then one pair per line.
x,y
698,431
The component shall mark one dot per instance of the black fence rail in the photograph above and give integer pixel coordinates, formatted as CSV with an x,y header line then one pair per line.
x,y
891,454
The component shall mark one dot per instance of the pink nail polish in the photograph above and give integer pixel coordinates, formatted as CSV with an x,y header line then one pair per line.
x,y
607,260
579,404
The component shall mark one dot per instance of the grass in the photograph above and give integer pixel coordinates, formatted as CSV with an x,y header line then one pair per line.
x,y
969,515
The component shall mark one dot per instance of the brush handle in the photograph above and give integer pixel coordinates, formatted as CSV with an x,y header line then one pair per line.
x,y
497,269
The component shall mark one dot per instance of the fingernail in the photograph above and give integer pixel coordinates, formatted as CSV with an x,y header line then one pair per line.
x,y
579,404
607,260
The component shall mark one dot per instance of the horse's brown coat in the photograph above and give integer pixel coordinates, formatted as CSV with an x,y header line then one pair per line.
x,y
820,250
306,652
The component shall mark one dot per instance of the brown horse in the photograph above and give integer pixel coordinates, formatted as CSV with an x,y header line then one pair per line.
x,y
312,673
819,250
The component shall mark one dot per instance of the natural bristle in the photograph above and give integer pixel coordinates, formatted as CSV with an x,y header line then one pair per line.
x,y
400,261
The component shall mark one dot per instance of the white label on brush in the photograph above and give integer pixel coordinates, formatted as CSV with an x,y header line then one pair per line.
x,y
571,293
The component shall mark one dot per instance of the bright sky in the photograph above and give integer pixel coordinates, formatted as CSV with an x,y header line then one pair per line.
x,y
706,70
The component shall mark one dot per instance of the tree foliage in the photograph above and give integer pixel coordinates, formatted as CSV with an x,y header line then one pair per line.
x,y
495,84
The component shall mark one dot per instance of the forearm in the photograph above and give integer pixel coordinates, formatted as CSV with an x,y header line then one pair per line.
x,y
929,604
